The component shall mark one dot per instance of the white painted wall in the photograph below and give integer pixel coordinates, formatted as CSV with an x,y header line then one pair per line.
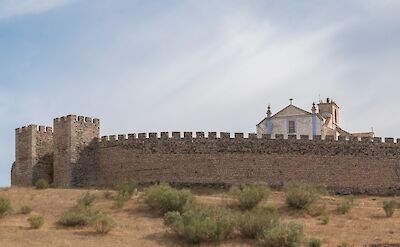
x,y
280,124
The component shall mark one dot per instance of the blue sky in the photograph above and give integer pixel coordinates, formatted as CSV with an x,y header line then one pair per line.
x,y
195,65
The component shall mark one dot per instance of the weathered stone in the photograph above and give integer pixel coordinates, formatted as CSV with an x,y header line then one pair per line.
x,y
80,159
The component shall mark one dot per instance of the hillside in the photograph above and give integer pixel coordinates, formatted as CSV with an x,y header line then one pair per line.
x,y
137,225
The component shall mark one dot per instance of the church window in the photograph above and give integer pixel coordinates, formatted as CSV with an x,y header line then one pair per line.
x,y
292,127
335,116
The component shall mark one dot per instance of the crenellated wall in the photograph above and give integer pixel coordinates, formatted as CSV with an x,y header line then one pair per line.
x,y
82,159
34,154
358,166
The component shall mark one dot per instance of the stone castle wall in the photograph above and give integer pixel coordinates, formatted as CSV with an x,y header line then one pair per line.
x,y
82,159
344,166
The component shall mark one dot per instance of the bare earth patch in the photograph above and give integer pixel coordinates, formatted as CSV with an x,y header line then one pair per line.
x,y
138,226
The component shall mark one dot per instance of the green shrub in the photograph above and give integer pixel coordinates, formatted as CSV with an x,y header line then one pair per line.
x,y
286,235
300,195
41,184
25,210
36,221
76,217
325,219
314,242
254,223
345,206
164,198
275,237
102,223
201,224
124,193
389,207
86,200
119,201
127,189
5,206
295,233
249,196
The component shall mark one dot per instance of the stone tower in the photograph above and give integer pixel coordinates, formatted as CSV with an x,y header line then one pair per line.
x,y
74,152
329,109
33,155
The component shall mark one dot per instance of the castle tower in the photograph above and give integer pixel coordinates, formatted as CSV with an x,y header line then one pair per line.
x,y
74,151
329,109
33,155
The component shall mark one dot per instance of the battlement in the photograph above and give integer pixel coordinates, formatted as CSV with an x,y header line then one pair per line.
x,y
78,119
34,127
240,136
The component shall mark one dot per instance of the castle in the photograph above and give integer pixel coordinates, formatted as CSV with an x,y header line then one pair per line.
x,y
71,154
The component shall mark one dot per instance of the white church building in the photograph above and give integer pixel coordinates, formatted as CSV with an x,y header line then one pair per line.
x,y
293,120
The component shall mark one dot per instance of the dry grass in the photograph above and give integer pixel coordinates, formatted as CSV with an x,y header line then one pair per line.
x,y
366,223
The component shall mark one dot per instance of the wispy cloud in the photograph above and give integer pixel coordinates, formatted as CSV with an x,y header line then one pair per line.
x,y
196,65
14,8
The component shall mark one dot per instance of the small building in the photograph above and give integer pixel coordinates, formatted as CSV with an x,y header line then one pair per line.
x,y
293,120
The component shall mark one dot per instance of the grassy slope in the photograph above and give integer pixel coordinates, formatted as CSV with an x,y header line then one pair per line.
x,y
138,226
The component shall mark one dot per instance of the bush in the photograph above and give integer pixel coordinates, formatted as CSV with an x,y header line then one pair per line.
x,y
314,242
164,198
125,192
102,223
5,206
325,219
86,200
36,221
300,195
173,219
389,207
25,210
202,224
291,235
254,223
41,184
76,217
345,206
127,189
119,201
249,196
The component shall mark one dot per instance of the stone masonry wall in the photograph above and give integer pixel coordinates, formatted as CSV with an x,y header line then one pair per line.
x,y
344,166
62,151
44,151
34,154
74,156
74,161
